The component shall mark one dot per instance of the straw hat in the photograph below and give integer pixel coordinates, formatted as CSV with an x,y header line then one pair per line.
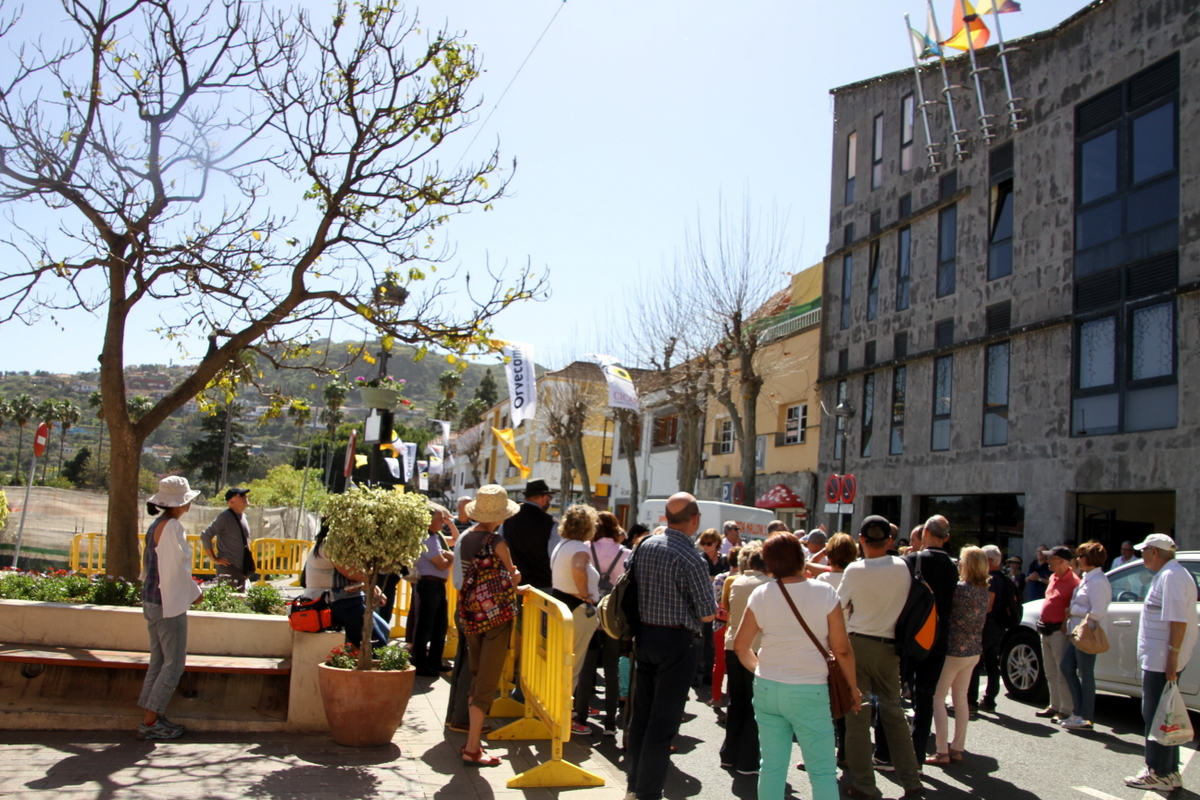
x,y
491,504
173,491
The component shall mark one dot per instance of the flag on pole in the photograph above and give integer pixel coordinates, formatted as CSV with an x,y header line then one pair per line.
x,y
922,46
968,28
522,386
509,444
422,476
408,452
445,430
621,393
997,6
393,466
434,451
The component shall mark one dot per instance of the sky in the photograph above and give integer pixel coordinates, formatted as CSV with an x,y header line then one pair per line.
x,y
629,120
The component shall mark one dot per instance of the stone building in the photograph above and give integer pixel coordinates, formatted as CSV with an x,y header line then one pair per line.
x,y
1016,331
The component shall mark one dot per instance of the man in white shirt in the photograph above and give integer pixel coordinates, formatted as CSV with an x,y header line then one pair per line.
x,y
733,537
1166,637
1126,556
873,591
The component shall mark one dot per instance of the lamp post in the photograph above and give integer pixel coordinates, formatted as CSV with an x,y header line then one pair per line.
x,y
844,413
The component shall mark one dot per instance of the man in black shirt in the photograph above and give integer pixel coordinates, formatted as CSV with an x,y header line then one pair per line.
x,y
531,535
939,571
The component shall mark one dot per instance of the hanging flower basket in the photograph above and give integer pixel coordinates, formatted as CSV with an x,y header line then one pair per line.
x,y
374,397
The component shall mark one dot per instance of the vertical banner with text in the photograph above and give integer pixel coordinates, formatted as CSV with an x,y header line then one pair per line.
x,y
522,387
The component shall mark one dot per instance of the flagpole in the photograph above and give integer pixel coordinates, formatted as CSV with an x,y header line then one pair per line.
x,y
930,146
984,126
1014,119
960,151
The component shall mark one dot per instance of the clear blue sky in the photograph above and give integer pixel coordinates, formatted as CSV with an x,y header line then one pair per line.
x,y
628,120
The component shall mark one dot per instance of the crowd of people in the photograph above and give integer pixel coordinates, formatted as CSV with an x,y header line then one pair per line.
x,y
786,623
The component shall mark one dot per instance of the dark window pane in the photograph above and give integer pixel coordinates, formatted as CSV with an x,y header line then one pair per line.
x,y
943,384
1098,225
941,435
1098,353
1153,205
896,446
995,428
1152,409
1094,416
868,414
1154,341
1000,260
996,392
847,276
947,233
1098,172
903,268
1002,212
1154,143
945,279
873,283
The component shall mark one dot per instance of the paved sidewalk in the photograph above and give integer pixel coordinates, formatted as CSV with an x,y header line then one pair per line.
x,y
421,762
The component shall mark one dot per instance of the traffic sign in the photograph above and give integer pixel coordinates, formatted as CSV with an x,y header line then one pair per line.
x,y
849,487
40,439
831,508
739,493
833,489
845,508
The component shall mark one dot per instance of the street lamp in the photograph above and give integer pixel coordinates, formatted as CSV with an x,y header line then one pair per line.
x,y
844,413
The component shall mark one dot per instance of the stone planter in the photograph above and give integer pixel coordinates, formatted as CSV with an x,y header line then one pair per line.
x,y
379,398
364,709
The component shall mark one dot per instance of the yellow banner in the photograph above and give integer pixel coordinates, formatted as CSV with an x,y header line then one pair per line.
x,y
508,442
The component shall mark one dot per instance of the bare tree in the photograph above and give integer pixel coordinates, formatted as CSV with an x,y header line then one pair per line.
x,y
569,398
469,444
153,138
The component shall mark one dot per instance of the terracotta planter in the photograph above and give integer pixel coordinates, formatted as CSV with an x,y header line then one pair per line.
x,y
364,709
374,397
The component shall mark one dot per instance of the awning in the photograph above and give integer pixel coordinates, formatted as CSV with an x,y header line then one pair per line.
x,y
779,496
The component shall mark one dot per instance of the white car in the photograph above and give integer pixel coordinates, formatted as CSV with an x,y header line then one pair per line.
x,y
1117,670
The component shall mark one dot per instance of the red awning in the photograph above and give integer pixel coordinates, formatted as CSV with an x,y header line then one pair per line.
x,y
779,496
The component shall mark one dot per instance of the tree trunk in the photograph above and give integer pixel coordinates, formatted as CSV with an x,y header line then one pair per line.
x,y
566,484
364,650
585,480
749,451
629,421
100,454
689,447
124,521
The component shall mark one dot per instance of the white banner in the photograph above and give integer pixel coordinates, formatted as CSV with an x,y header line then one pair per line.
x,y
422,476
434,451
445,431
393,465
522,386
408,452
621,393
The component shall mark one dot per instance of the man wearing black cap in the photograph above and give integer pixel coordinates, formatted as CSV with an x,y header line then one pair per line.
x,y
1055,610
873,591
232,532
531,536
941,574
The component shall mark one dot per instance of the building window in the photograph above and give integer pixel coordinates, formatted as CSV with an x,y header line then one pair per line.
x,y
908,113
903,267
899,377
947,250
873,282
839,439
1127,175
943,389
760,451
1000,228
843,359
666,430
877,153
869,353
995,395
900,345
868,413
1125,371
724,443
851,165
795,423
847,278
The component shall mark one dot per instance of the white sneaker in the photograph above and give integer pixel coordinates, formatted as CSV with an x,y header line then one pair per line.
x,y
1146,779
1076,723
1176,780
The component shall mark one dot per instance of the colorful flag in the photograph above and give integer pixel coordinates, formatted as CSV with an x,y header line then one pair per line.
x,y
997,6
621,393
434,451
522,383
968,28
923,47
508,442
422,476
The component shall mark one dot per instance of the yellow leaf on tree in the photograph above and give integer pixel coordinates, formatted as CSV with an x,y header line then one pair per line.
x,y
257,236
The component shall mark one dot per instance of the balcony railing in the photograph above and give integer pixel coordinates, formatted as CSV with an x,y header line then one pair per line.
x,y
794,325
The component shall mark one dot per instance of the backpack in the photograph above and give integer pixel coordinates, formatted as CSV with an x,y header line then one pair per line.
x,y
488,598
916,628
618,610
606,583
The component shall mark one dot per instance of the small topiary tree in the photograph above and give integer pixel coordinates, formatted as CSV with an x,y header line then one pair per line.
x,y
372,531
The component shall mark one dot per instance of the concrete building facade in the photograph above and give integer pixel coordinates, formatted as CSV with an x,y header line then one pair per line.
x,y
1016,331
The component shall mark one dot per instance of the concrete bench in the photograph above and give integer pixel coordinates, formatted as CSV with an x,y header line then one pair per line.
x,y
125,659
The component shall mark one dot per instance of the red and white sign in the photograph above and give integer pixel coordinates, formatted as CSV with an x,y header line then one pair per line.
x,y
40,439
849,488
348,467
833,488
739,493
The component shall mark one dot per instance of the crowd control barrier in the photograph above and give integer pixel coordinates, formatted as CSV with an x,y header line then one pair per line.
x,y
87,553
547,665
273,556
404,596
279,557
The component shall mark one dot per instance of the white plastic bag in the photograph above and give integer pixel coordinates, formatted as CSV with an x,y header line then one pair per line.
x,y
1171,723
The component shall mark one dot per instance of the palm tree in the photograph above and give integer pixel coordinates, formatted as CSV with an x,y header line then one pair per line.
x,y
69,414
47,412
22,408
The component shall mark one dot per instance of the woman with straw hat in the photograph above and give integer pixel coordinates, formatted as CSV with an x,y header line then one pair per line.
x,y
167,592
486,608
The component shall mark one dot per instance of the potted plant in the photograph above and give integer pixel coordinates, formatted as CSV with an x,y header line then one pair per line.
x,y
381,392
371,531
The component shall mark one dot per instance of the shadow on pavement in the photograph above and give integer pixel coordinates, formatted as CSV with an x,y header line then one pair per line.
x,y
93,766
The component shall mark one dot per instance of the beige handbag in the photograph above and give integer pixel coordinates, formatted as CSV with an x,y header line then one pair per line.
x,y
1088,639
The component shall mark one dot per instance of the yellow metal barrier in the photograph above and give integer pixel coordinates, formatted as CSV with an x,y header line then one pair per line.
x,y
547,664
87,553
201,563
279,556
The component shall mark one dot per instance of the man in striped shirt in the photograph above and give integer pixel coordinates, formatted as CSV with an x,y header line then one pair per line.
x,y
674,599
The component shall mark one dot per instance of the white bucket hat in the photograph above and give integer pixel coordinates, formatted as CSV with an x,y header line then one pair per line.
x,y
173,491
491,504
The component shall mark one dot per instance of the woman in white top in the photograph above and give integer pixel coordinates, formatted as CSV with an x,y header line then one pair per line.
x,y
576,583
608,557
1092,596
791,683
167,592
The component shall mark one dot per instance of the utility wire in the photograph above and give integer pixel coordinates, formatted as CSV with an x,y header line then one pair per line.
x,y
479,130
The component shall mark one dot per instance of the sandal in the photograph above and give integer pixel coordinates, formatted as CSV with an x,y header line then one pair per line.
x,y
956,756
938,759
479,758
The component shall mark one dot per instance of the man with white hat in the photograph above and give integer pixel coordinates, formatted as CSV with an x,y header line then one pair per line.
x,y
1166,637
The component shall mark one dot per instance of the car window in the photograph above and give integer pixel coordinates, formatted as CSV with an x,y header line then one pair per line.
x,y
1131,583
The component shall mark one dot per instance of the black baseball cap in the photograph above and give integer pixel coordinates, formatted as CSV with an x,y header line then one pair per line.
x,y
234,492
1061,551
875,528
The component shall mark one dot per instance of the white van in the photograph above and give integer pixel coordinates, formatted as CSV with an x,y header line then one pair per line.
x,y
754,521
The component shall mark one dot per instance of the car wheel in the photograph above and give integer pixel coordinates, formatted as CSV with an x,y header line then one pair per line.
x,y
1021,666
